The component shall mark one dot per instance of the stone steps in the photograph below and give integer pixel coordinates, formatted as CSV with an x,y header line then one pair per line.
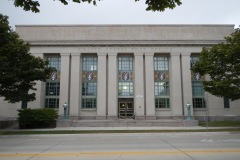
x,y
128,123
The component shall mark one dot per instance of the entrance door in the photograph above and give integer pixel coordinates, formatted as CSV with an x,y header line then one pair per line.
x,y
126,110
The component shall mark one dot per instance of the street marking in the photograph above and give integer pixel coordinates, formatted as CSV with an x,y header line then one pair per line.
x,y
117,153
225,140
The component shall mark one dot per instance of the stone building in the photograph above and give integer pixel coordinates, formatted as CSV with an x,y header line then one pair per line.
x,y
124,71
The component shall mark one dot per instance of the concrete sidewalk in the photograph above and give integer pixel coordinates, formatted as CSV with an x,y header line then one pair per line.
x,y
121,128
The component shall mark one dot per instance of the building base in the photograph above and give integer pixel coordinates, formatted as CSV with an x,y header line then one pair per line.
x,y
151,117
112,117
101,117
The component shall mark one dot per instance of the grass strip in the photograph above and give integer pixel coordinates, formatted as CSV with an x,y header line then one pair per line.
x,y
221,124
112,131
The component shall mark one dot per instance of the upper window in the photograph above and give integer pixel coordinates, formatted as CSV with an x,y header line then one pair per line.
x,y
161,64
125,88
161,88
161,82
89,82
52,89
89,88
54,62
194,59
197,89
125,63
198,99
89,63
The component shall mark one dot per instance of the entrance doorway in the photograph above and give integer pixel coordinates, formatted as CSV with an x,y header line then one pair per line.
x,y
125,109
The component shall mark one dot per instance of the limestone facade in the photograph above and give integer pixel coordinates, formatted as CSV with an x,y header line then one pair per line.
x,y
109,42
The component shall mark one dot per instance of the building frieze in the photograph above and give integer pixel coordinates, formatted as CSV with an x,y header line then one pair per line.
x,y
124,43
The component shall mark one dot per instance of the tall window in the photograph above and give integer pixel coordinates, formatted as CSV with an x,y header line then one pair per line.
x,y
89,82
125,76
161,82
52,90
226,102
197,87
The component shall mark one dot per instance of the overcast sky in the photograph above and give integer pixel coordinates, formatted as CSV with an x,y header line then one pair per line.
x,y
125,12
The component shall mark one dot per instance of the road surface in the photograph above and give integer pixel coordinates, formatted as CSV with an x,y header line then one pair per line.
x,y
125,146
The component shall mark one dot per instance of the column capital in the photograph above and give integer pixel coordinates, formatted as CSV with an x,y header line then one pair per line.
x,y
65,54
149,53
75,54
138,53
185,53
175,53
102,53
112,54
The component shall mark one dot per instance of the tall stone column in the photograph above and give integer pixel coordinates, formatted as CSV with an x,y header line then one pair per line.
x,y
149,73
112,86
64,82
139,86
186,81
101,86
75,86
175,85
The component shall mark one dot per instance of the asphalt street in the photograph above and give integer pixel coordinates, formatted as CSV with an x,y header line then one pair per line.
x,y
124,146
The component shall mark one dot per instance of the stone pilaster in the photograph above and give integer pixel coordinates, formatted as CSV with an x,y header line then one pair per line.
x,y
75,86
112,86
175,85
64,82
149,73
101,86
139,86
186,81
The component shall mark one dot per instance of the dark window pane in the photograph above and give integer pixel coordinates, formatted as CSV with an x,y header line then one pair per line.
x,y
226,102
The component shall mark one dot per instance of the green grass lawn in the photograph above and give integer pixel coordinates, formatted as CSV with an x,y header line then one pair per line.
x,y
221,124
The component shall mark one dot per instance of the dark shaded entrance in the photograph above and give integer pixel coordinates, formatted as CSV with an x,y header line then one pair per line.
x,y
125,108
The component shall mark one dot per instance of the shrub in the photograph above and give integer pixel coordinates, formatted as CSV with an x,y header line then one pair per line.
x,y
37,118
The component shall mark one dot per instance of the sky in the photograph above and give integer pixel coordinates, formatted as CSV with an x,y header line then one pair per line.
x,y
124,12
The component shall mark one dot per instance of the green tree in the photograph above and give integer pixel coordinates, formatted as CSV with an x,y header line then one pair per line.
x,y
153,5
222,63
18,68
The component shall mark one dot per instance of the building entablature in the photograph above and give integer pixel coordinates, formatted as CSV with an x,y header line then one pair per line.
x,y
184,43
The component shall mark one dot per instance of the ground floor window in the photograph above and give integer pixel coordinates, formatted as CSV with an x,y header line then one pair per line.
x,y
199,103
198,95
162,103
51,102
52,94
89,103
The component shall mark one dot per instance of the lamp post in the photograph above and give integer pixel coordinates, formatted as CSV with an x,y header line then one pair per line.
x,y
65,110
189,111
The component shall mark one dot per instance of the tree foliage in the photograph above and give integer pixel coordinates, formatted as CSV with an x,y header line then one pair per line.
x,y
222,63
153,5
18,68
